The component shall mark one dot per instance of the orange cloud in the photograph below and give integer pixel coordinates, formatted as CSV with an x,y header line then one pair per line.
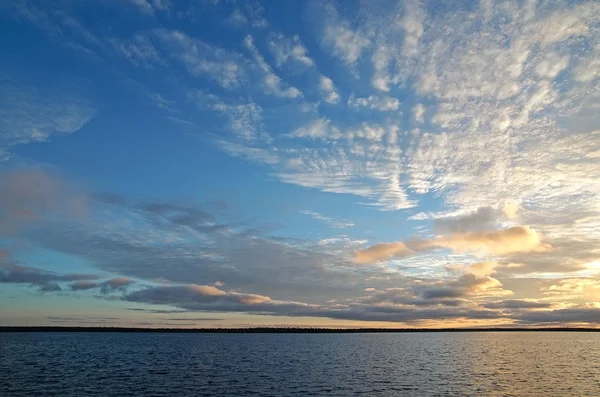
x,y
383,251
499,242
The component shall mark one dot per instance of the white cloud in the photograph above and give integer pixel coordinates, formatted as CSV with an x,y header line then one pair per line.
x,y
149,6
551,65
320,129
257,154
237,18
345,43
32,115
412,23
225,67
589,67
271,82
332,222
245,120
383,104
381,77
328,90
139,51
288,50
162,103
418,112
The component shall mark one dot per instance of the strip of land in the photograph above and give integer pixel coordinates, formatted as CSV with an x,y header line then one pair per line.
x,y
271,330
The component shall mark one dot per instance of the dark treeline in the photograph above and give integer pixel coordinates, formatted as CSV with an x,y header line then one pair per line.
x,y
290,330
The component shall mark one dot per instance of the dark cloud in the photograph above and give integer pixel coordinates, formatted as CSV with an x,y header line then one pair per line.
x,y
442,292
516,304
193,294
483,218
115,284
12,272
81,318
156,311
50,287
83,285
404,297
210,299
571,315
289,270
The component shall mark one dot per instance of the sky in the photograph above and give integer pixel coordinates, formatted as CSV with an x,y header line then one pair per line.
x,y
209,163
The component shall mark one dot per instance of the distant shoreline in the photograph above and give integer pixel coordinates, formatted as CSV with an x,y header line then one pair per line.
x,y
270,330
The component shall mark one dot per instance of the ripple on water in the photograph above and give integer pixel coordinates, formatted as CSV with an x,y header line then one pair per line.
x,y
284,365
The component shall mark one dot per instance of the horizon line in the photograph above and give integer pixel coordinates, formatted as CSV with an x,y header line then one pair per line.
x,y
282,330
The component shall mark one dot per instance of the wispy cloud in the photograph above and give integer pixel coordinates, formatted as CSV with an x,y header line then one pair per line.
x,y
289,50
139,50
271,82
150,6
32,115
334,223
227,68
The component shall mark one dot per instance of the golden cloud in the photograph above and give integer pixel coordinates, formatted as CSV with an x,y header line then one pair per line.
x,y
516,239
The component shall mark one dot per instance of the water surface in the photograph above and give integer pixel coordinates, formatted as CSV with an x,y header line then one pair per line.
x,y
415,364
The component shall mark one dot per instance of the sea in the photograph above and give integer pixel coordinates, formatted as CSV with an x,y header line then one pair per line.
x,y
370,364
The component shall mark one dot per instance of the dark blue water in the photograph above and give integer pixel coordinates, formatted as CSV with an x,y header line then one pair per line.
x,y
424,364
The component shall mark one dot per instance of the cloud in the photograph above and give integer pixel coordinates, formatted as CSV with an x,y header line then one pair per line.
x,y
328,90
149,6
332,222
12,272
412,24
30,194
418,112
245,120
512,240
83,285
383,104
517,304
482,219
225,67
162,240
115,284
195,296
316,129
344,42
29,115
497,107
584,315
271,82
567,255
237,18
50,287
139,50
383,251
260,155
289,50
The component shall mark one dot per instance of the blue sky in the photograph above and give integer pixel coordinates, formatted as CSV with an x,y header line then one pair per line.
x,y
403,163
